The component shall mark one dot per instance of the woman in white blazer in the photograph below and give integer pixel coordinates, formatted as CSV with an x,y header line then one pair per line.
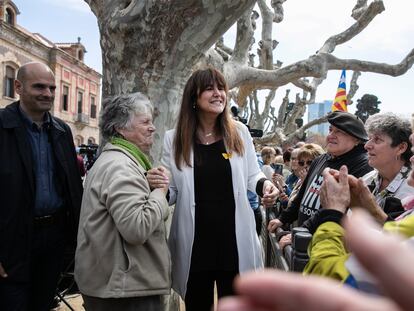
x,y
213,163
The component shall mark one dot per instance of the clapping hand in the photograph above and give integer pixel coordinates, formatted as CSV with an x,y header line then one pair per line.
x,y
335,193
382,255
361,197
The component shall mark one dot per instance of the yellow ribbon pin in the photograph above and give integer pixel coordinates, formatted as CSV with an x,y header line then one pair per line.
x,y
226,155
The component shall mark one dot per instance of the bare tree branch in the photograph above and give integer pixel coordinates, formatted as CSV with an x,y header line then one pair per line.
x,y
299,132
375,8
264,115
276,137
282,109
296,113
303,84
359,9
278,10
366,15
266,45
244,39
220,45
315,66
252,114
353,88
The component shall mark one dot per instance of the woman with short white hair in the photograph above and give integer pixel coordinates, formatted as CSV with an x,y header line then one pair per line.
x,y
389,153
122,257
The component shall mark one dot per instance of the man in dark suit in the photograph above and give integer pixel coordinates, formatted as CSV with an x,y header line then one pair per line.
x,y
40,193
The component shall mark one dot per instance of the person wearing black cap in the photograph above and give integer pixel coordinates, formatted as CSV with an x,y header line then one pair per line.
x,y
345,146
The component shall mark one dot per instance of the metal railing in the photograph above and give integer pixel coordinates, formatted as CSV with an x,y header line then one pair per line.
x,y
293,257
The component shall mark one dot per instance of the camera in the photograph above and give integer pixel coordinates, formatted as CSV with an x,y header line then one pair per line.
x,y
90,149
253,132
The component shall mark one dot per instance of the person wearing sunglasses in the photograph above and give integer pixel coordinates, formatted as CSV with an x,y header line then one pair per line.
x,y
306,163
305,156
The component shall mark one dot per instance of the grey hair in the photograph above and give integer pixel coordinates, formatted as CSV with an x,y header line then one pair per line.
x,y
118,112
398,129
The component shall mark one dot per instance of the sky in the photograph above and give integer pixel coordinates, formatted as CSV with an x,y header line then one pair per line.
x,y
306,26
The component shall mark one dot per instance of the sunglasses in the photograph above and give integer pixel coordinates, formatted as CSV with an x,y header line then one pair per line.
x,y
302,163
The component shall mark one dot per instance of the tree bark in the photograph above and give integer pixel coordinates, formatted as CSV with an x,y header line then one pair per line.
x,y
151,47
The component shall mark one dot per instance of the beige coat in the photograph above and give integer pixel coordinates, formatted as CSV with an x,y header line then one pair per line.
x,y
122,247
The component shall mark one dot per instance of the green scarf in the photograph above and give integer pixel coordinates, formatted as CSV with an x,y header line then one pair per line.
x,y
133,150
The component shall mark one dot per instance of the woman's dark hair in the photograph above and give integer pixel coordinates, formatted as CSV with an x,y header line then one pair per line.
x,y
188,122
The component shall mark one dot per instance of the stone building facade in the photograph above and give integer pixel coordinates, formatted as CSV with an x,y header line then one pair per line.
x,y
78,86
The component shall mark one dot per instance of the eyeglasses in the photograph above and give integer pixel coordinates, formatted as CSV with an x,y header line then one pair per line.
x,y
302,163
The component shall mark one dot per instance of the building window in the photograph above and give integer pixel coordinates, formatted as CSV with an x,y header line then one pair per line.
x,y
80,55
9,81
65,98
78,140
80,102
93,108
9,16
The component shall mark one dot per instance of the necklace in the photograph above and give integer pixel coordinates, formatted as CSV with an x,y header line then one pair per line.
x,y
205,138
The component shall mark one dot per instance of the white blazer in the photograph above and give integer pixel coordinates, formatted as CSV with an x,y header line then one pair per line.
x,y
245,175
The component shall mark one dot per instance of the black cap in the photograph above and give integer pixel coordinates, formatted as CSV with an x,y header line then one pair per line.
x,y
349,123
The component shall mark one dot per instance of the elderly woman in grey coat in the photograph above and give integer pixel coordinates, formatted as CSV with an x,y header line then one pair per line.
x,y
122,258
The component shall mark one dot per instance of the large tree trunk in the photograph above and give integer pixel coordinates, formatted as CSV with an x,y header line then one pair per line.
x,y
152,46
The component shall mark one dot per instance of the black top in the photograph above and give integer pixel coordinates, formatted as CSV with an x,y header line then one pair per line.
x,y
214,246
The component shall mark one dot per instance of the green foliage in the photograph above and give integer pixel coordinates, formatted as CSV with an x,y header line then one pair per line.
x,y
367,106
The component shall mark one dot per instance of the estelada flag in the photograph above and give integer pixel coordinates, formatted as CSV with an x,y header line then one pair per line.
x,y
340,98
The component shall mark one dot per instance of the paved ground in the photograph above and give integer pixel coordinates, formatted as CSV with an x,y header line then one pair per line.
x,y
75,302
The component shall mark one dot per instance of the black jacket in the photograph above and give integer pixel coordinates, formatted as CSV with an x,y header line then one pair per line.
x,y
17,188
307,202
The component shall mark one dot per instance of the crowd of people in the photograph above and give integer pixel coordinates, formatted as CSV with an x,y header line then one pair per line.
x,y
212,185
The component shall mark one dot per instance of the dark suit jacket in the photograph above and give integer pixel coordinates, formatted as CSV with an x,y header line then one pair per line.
x,y
17,188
